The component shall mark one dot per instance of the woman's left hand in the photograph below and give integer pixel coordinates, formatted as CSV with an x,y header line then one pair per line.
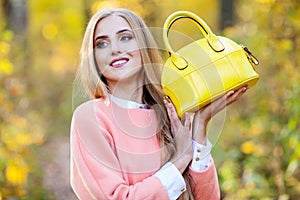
x,y
203,116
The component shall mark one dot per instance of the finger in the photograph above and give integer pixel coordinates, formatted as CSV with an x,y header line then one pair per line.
x,y
175,122
227,99
238,91
170,109
219,104
232,96
187,120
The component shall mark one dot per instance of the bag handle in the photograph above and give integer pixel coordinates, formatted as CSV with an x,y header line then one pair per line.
x,y
212,39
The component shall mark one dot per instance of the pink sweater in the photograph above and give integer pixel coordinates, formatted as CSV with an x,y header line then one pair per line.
x,y
115,152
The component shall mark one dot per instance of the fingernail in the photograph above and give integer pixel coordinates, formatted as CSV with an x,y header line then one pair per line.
x,y
167,104
167,99
230,93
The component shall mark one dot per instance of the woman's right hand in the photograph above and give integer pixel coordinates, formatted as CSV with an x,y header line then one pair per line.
x,y
182,137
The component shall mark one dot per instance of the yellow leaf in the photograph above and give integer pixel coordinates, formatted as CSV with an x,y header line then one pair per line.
x,y
6,67
17,174
248,147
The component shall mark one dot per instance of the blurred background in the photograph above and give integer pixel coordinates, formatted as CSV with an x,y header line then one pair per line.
x,y
257,155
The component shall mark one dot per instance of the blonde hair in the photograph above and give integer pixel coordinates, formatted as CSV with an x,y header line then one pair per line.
x,y
95,84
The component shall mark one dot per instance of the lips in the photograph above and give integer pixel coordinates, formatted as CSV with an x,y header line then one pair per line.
x,y
118,62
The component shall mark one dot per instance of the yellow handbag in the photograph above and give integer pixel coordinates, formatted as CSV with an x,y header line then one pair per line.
x,y
205,69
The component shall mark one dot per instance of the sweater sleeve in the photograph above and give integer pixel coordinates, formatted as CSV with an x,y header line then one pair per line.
x,y
205,183
172,180
92,178
95,176
201,156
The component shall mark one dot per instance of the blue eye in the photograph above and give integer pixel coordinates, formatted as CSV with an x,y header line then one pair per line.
x,y
126,37
102,44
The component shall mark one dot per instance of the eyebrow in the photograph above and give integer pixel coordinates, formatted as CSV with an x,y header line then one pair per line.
x,y
105,36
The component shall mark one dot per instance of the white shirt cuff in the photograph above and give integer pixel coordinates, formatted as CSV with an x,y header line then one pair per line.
x,y
172,180
201,157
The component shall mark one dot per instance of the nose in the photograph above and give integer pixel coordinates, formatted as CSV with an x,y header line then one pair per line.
x,y
115,47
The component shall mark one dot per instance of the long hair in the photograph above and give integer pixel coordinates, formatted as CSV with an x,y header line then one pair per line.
x,y
95,84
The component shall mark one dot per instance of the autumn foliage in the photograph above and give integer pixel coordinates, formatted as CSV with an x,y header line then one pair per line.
x,y
258,153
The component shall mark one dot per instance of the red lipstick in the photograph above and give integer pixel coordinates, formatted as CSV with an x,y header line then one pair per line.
x,y
118,62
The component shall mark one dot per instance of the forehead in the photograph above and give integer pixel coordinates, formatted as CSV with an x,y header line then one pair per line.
x,y
110,25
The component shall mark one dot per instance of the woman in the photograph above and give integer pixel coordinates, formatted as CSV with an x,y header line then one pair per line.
x,y
128,143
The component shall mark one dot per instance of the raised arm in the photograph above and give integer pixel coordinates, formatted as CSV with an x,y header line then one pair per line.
x,y
205,183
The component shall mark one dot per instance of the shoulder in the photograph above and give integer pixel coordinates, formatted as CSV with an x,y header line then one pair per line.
x,y
89,107
92,109
91,116
88,126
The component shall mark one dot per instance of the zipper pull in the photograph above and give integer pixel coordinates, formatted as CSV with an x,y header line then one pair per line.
x,y
250,56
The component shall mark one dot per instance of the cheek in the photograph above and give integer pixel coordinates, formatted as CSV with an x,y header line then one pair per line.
x,y
100,59
137,57
130,46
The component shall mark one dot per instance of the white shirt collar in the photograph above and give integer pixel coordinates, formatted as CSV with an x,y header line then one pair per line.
x,y
126,104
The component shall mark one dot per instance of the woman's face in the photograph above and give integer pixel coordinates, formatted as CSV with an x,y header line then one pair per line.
x,y
116,51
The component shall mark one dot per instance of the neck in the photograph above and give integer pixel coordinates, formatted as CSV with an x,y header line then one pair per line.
x,y
130,90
